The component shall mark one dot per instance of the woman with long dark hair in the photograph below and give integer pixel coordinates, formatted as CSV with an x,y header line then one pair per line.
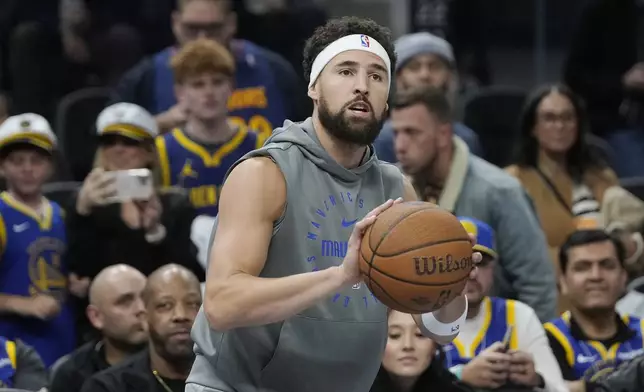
x,y
413,362
558,167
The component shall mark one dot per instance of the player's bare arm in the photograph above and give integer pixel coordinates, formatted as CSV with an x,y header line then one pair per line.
x,y
252,199
452,311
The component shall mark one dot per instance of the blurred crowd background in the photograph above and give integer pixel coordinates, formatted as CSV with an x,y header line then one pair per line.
x,y
524,118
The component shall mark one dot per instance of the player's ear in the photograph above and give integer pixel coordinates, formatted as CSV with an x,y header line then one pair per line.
x,y
313,92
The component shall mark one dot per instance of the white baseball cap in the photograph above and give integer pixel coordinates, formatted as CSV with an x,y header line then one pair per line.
x,y
28,128
128,120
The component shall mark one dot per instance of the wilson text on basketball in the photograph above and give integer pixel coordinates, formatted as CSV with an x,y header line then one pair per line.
x,y
429,265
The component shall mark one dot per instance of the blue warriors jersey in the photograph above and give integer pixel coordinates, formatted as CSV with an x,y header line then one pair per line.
x,y
32,263
189,165
590,359
8,362
498,316
257,102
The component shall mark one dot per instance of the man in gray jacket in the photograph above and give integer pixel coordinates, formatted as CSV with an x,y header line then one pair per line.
x,y
444,172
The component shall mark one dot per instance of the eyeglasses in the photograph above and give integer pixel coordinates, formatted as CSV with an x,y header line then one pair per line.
x,y
553,118
112,140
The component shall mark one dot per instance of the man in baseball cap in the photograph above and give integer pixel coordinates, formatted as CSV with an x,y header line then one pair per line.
x,y
425,60
502,343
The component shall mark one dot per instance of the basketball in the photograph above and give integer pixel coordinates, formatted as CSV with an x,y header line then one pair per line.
x,y
416,257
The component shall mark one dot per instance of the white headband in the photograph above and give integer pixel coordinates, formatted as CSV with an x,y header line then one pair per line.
x,y
349,42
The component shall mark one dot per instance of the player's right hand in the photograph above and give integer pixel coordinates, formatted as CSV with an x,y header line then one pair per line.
x,y
350,267
43,307
96,191
489,369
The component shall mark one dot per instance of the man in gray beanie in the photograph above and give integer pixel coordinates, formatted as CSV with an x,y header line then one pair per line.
x,y
425,59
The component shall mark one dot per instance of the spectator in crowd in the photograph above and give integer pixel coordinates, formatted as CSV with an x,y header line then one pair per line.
x,y
565,180
444,172
34,300
82,43
412,362
425,60
21,366
198,156
591,339
172,299
267,89
502,343
145,235
462,22
605,66
117,311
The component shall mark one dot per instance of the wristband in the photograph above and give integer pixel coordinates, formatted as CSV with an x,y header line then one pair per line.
x,y
439,328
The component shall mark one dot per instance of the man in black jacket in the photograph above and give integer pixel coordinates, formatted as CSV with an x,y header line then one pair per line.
x,y
116,310
172,298
627,378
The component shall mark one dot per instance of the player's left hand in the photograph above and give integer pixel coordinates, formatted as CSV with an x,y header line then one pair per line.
x,y
522,371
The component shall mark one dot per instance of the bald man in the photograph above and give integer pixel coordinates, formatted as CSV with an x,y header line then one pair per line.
x,y
117,311
172,298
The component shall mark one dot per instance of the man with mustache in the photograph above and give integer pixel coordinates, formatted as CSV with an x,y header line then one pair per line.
x,y
591,339
272,276
172,298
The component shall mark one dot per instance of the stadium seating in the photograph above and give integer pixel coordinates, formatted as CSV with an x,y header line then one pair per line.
x,y
493,113
75,127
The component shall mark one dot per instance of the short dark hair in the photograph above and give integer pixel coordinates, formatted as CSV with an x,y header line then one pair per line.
x,y
432,98
227,4
585,237
337,28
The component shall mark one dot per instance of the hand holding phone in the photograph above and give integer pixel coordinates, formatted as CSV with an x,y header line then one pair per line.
x,y
132,185
507,337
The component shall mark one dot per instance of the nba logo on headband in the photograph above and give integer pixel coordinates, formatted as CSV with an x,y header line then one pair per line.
x,y
364,40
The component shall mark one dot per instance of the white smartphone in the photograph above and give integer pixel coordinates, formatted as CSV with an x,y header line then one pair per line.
x,y
135,184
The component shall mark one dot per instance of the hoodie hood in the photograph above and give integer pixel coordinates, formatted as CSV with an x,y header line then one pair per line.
x,y
302,136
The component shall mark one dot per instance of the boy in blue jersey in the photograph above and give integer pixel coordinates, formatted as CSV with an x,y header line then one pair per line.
x,y
502,343
33,275
198,156
591,339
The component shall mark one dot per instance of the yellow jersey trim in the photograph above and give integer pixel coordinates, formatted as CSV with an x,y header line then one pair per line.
x,y
11,353
211,160
164,161
43,221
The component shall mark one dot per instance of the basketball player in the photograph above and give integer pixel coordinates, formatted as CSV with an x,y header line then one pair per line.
x,y
34,304
198,156
285,309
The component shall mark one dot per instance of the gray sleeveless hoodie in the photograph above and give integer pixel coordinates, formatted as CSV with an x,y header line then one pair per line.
x,y
336,345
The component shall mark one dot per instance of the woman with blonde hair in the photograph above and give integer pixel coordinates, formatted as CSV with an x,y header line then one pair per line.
x,y
144,234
